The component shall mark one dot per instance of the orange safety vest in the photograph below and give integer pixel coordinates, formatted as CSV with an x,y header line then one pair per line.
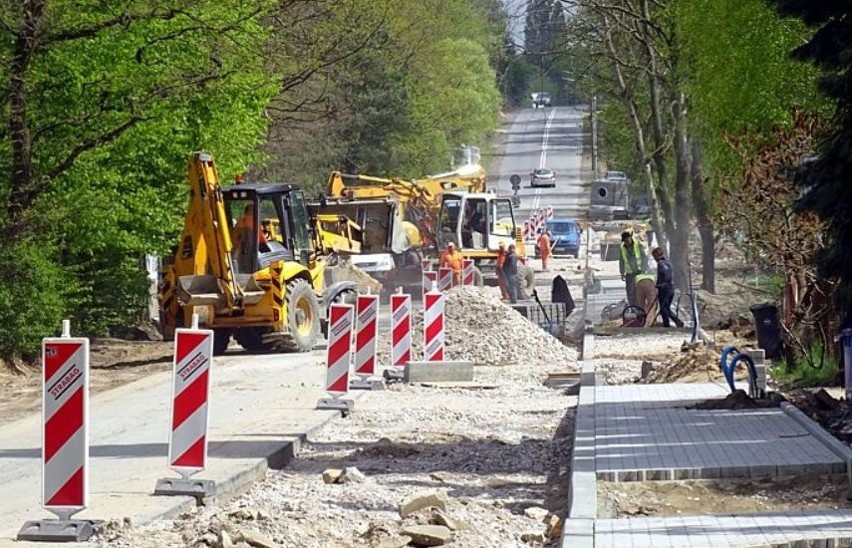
x,y
452,260
246,223
544,245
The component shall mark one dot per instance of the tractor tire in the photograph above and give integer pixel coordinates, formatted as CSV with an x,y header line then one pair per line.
x,y
526,282
251,339
349,296
303,317
221,340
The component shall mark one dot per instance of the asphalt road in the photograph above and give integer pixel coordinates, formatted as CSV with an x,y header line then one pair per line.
x,y
548,137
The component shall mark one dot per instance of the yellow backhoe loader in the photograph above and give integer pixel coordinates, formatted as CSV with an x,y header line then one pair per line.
x,y
248,265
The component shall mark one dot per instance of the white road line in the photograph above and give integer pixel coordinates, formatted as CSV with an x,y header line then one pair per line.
x,y
543,159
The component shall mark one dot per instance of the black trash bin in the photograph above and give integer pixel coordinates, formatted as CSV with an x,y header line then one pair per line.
x,y
767,325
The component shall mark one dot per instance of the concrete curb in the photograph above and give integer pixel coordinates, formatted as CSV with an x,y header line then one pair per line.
x,y
239,481
579,530
833,444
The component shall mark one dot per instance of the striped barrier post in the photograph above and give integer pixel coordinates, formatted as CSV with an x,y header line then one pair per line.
x,y
433,327
400,330
445,279
367,312
339,358
193,356
426,265
65,441
430,280
468,269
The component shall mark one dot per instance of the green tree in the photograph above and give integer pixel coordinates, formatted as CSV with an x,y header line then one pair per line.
x,y
827,189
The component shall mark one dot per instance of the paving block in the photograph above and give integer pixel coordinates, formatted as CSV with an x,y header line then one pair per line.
x,y
445,371
578,533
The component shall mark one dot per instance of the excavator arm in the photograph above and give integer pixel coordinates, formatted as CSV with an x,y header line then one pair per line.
x,y
203,263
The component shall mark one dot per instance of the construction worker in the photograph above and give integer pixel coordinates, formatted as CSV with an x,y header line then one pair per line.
x,y
246,224
665,288
501,280
631,262
646,297
451,258
543,244
510,273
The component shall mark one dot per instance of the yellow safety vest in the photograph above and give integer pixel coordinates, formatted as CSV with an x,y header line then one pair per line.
x,y
637,252
640,277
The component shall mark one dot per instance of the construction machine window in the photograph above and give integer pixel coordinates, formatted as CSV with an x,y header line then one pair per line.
x,y
448,220
502,222
474,223
245,234
300,225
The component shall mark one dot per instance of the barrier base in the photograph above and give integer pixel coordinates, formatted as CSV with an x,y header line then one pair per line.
x,y
58,530
336,404
444,371
366,383
185,487
394,374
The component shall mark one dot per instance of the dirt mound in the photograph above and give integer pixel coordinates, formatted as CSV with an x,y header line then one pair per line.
x,y
736,400
695,364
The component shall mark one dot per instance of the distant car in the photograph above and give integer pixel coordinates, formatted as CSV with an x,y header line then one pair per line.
x,y
566,236
615,176
540,99
543,177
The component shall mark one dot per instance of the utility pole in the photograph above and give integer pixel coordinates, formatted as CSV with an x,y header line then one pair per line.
x,y
595,136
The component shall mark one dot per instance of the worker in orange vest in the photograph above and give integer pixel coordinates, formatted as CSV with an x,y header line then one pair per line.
x,y
501,258
451,258
543,244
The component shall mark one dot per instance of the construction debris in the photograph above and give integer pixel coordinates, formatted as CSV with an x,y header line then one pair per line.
x,y
427,535
486,331
419,501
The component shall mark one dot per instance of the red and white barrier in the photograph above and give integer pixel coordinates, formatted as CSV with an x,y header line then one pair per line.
x,y
433,327
339,349
190,396
430,279
426,265
468,270
365,338
400,330
65,408
445,279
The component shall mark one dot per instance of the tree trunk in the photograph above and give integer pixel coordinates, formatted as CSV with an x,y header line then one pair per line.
x,y
705,223
657,211
21,176
683,214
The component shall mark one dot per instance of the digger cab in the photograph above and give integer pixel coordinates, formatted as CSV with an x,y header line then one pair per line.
x,y
476,222
268,223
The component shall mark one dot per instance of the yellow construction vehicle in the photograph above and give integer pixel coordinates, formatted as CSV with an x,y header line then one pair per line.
x,y
247,264
432,205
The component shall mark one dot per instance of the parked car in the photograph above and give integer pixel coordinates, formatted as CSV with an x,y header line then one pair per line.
x,y
566,236
543,177
615,176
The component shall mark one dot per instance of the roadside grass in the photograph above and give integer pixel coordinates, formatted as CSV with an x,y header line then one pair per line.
x,y
804,375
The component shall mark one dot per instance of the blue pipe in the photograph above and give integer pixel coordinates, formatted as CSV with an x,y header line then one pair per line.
x,y
727,368
752,372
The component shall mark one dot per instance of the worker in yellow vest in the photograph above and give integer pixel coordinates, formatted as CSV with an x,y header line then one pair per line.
x,y
631,262
646,297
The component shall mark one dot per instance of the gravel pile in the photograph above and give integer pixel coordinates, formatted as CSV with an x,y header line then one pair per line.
x,y
482,329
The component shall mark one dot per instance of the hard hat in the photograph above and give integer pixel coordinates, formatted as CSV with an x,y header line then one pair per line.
x,y
501,244
451,244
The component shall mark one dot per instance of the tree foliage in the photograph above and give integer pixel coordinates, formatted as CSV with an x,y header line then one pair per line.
x,y
827,190
104,100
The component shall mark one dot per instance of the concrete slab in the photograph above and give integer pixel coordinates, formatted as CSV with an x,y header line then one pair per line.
x,y
261,408
649,433
445,371
779,530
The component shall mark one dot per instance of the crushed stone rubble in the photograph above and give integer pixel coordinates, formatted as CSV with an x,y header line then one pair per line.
x,y
479,327
426,466
639,347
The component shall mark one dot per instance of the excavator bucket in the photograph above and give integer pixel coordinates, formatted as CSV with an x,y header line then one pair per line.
x,y
200,290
